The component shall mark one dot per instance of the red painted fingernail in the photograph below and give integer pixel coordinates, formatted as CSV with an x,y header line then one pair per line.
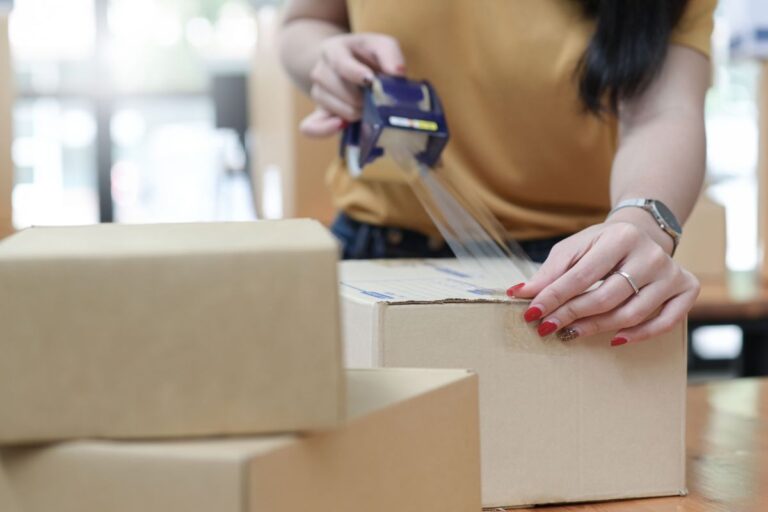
x,y
547,328
618,340
513,289
532,314
344,124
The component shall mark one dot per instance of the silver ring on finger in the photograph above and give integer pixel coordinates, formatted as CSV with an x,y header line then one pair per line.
x,y
629,279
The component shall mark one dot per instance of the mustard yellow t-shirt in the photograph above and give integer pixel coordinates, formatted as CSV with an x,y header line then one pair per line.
x,y
505,72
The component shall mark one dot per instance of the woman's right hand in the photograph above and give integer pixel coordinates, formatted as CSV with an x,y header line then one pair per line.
x,y
347,63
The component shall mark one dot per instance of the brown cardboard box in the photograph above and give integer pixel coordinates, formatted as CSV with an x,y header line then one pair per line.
x,y
410,445
7,498
169,330
559,422
283,157
6,129
702,248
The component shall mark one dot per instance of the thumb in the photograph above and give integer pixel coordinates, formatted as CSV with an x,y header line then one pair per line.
x,y
380,51
321,123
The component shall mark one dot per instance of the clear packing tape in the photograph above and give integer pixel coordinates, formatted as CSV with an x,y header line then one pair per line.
x,y
475,236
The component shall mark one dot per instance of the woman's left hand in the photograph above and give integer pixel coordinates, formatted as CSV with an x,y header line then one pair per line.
x,y
559,289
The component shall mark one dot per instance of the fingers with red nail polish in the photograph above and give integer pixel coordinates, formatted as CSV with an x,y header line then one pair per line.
x,y
532,314
618,341
547,328
514,289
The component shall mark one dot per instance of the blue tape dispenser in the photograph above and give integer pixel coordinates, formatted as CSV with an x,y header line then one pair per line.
x,y
398,114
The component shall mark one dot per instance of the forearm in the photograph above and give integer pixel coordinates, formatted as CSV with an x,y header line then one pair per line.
x,y
662,143
664,158
300,42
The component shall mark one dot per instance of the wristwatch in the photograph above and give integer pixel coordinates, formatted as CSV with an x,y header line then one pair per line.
x,y
663,216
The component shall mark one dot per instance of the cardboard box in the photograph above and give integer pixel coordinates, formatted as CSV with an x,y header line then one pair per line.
x,y
410,445
6,129
560,422
702,248
288,168
169,330
7,498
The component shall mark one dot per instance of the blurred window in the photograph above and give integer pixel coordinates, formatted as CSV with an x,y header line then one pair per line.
x,y
733,144
114,118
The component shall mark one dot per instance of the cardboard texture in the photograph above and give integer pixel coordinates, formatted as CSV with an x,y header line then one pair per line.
x,y
169,330
283,157
410,445
6,130
702,248
560,422
7,498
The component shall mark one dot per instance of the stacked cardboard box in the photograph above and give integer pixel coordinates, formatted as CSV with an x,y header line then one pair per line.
x,y
560,422
168,331
150,336
410,444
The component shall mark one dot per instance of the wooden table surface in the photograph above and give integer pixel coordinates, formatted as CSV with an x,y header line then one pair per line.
x,y
727,454
742,295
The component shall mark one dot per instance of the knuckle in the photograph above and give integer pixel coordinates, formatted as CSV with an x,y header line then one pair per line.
x,y
590,326
315,93
567,314
666,324
326,52
555,296
317,73
632,316
657,256
627,233
603,301
582,279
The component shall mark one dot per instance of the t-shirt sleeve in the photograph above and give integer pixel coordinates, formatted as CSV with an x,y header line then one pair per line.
x,y
695,28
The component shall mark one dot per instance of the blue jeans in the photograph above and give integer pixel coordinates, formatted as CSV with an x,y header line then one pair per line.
x,y
362,241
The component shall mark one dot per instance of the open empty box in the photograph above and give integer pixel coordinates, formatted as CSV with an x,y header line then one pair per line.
x,y
410,444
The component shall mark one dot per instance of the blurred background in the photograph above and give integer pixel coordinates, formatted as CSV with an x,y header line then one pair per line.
x,y
177,110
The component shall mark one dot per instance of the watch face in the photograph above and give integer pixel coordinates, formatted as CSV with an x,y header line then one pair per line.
x,y
667,216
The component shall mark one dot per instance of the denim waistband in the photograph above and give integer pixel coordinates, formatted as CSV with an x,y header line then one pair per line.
x,y
361,240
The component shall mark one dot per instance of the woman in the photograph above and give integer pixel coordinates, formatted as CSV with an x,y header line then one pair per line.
x,y
578,122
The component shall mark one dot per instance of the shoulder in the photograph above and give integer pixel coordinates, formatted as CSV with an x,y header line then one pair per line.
x,y
696,26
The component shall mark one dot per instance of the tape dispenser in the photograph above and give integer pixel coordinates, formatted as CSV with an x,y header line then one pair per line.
x,y
399,116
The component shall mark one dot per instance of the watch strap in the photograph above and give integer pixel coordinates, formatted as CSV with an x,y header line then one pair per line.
x,y
630,203
645,204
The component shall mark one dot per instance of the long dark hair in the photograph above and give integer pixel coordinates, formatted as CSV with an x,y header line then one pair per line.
x,y
627,50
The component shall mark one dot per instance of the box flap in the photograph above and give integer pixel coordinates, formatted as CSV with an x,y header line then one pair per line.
x,y
116,240
414,439
373,389
417,281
